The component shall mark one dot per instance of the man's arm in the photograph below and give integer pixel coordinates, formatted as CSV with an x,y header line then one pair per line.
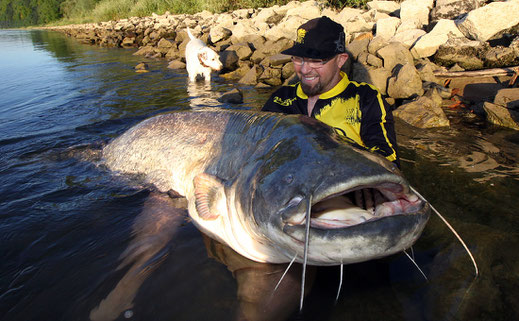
x,y
377,125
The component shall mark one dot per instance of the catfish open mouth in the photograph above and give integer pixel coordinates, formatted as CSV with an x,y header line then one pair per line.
x,y
357,206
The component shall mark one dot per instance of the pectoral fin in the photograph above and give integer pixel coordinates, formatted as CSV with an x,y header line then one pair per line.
x,y
209,196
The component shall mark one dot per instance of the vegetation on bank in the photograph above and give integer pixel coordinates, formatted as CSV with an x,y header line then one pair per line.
x,y
23,13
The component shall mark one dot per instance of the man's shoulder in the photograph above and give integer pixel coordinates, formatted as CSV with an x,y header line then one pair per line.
x,y
363,87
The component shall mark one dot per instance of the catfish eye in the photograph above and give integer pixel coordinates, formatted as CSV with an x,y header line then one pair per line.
x,y
288,179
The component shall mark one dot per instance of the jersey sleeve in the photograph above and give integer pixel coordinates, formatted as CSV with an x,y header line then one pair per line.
x,y
377,126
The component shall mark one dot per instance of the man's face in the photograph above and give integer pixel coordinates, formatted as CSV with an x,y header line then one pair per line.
x,y
318,76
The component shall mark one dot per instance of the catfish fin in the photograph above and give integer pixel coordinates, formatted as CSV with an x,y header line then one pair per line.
x,y
209,194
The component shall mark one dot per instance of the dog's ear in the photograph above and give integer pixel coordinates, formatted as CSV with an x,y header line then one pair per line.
x,y
202,56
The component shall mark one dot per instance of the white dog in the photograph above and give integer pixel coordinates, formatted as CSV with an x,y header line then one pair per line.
x,y
200,59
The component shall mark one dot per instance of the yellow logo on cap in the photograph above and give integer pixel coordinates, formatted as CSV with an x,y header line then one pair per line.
x,y
301,33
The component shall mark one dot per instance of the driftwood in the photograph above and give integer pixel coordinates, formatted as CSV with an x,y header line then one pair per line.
x,y
508,71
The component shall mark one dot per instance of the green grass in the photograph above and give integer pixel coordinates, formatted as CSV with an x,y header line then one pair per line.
x,y
118,9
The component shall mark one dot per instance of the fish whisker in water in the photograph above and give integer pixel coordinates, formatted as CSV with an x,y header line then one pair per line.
x,y
452,230
305,255
284,273
415,264
340,283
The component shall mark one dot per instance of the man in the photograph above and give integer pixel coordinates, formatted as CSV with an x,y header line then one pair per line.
x,y
356,111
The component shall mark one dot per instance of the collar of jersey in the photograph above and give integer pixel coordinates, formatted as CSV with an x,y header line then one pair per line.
x,y
340,87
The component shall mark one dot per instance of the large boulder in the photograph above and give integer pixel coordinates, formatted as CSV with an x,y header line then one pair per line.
x,y
502,116
394,54
386,28
486,22
408,37
219,33
462,51
389,7
422,113
508,97
428,44
453,9
416,11
306,10
406,83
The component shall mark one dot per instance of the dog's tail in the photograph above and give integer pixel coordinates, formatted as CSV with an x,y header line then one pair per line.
x,y
190,34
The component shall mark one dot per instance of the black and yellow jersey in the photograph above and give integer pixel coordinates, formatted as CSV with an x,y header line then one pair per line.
x,y
356,111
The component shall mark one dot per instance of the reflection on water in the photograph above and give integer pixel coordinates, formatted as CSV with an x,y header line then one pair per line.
x,y
74,241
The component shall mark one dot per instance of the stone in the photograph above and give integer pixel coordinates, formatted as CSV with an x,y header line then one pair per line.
x,y
500,57
428,44
408,37
416,11
395,54
374,61
287,28
389,7
426,72
306,10
234,96
508,97
287,71
356,47
278,59
142,67
356,24
406,83
375,44
376,77
453,9
242,50
219,33
422,113
501,116
229,59
348,13
462,51
484,23
271,76
386,28
176,64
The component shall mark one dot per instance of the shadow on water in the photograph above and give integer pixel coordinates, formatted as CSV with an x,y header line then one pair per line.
x,y
65,222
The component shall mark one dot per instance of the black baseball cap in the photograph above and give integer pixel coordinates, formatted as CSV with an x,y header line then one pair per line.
x,y
319,38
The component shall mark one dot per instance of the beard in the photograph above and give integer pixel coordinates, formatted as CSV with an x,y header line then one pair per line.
x,y
311,90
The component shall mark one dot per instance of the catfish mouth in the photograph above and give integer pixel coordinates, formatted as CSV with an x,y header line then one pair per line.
x,y
356,206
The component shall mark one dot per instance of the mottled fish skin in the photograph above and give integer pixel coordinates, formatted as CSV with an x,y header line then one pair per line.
x,y
248,175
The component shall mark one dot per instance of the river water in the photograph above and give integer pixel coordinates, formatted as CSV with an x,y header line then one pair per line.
x,y
65,222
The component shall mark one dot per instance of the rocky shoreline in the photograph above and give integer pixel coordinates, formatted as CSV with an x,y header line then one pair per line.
x,y
421,54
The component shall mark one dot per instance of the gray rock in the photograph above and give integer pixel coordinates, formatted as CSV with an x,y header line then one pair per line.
x,y
271,76
508,97
501,116
500,57
406,83
453,9
389,7
229,59
176,64
234,96
242,50
422,113
464,52
484,23
356,47
219,33
395,54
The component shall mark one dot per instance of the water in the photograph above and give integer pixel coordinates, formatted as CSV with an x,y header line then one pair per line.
x,y
65,222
